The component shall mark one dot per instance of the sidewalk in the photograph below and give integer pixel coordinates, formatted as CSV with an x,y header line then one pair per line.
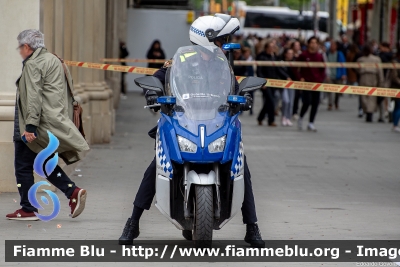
x,y
342,182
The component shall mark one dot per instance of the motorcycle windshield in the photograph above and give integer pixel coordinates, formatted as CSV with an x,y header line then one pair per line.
x,y
201,79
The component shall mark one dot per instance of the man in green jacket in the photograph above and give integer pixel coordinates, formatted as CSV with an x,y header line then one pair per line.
x,y
44,104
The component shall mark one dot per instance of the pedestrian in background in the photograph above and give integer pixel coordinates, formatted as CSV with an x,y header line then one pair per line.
x,y
155,52
296,47
353,53
395,83
316,75
371,77
386,56
268,92
344,44
43,103
239,70
288,94
337,75
246,53
123,54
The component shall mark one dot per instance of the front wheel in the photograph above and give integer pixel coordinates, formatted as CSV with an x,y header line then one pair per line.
x,y
204,215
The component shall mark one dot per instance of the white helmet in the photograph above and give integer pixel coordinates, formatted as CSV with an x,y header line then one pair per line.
x,y
205,30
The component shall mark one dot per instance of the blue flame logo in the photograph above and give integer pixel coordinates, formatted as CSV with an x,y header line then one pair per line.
x,y
40,159
44,166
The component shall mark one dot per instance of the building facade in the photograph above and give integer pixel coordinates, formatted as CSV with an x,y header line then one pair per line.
x,y
74,30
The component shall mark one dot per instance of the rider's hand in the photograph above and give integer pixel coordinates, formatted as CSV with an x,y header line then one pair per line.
x,y
249,102
151,99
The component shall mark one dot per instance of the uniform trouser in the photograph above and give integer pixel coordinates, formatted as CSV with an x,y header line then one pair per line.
x,y
147,190
23,163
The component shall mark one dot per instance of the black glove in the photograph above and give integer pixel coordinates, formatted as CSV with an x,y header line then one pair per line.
x,y
151,99
249,102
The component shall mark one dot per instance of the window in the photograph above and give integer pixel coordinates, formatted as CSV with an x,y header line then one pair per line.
x,y
282,21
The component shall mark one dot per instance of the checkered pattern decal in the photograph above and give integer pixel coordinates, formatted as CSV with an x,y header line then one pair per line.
x,y
238,162
197,31
163,161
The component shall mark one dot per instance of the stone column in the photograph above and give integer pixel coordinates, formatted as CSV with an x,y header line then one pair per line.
x,y
78,42
112,48
115,16
47,25
10,69
95,86
58,32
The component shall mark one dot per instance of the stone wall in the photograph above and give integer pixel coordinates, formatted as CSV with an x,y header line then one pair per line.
x,y
75,30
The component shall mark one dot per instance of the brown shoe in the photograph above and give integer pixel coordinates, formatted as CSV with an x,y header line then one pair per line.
x,y
77,202
329,107
272,124
21,215
260,123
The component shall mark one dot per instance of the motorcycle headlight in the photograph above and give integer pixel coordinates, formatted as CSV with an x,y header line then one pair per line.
x,y
186,145
218,145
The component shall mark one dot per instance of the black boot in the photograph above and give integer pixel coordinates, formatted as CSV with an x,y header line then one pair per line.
x,y
130,232
253,236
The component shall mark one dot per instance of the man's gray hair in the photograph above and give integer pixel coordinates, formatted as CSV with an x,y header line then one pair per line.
x,y
33,38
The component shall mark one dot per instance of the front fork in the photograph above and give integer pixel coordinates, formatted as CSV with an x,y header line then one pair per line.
x,y
188,213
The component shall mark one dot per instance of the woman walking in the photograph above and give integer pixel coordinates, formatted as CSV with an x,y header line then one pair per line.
x,y
288,94
371,77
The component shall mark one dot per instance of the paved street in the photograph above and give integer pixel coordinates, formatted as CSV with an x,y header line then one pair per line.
x,y
342,182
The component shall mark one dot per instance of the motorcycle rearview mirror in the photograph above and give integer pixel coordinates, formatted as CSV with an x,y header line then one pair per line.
x,y
251,84
150,83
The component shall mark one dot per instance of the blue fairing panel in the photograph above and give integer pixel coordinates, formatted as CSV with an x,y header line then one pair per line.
x,y
233,139
167,131
169,127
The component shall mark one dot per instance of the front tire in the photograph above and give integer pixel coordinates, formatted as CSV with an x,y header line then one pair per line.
x,y
204,215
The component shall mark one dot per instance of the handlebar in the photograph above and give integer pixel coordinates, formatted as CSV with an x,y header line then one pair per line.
x,y
152,106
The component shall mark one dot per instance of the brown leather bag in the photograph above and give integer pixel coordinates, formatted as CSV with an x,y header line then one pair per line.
x,y
77,113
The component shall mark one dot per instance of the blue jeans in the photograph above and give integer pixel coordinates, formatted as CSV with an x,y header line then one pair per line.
x,y
396,112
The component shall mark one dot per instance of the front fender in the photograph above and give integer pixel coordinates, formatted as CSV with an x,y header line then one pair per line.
x,y
200,179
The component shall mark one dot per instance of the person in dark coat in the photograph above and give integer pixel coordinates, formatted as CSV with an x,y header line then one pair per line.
x,y
155,52
123,53
314,75
386,56
268,93
239,70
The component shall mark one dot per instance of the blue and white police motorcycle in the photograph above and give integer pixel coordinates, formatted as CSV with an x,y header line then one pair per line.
x,y
199,146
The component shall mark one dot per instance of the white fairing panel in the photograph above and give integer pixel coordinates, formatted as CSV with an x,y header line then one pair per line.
x,y
237,198
163,198
162,194
238,195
